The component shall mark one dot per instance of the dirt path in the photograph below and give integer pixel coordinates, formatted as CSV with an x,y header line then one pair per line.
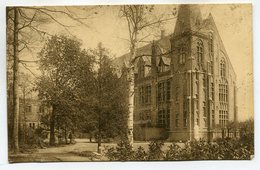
x,y
70,153
58,154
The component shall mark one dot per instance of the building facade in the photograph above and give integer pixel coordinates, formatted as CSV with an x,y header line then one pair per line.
x,y
30,112
186,86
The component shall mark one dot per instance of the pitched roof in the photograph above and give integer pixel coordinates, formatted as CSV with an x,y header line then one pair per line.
x,y
163,44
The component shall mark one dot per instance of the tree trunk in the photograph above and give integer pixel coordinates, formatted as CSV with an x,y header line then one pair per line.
x,y
99,143
130,105
130,122
15,84
66,136
52,127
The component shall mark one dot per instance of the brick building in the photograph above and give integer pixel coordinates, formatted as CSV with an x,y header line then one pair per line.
x,y
186,86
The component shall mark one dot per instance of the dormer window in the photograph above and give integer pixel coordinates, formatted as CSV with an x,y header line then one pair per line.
x,y
161,66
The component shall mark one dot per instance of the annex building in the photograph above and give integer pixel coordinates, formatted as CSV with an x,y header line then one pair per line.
x,y
186,86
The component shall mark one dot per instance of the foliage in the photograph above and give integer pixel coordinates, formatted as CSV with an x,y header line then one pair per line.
x,y
83,89
155,150
123,151
222,149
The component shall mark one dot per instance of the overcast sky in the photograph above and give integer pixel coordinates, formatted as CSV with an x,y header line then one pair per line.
x,y
234,23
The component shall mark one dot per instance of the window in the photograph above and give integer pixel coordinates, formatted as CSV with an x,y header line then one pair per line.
x,y
212,91
213,117
185,111
177,124
141,71
211,45
223,100
222,68
145,94
197,76
168,118
141,95
182,55
198,118
148,116
164,91
204,80
204,109
223,93
161,66
161,92
211,67
164,118
177,94
168,89
28,109
41,109
199,51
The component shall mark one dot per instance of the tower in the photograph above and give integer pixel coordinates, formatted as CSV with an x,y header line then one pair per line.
x,y
200,77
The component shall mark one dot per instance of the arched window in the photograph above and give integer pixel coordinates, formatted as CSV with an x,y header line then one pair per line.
x,y
182,55
199,51
222,68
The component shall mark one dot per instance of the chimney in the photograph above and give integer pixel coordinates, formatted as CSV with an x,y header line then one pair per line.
x,y
162,34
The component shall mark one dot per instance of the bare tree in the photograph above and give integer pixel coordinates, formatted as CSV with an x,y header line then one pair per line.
x,y
23,26
139,19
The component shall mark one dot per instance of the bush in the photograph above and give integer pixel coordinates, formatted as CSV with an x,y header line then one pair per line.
x,y
123,152
221,149
155,150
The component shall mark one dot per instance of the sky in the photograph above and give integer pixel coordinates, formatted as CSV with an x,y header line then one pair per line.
x,y
234,23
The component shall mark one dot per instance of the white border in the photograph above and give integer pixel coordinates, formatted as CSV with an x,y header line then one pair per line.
x,y
212,165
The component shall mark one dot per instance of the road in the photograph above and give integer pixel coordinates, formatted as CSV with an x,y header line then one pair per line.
x,y
82,151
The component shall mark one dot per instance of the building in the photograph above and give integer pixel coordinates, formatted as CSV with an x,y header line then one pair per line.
x,y
185,85
30,112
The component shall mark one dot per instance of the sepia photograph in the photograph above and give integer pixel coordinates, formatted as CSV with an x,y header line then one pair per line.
x,y
144,82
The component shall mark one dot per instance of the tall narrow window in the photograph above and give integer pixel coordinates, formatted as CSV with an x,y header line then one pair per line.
x,y
167,118
149,94
140,95
177,123
211,45
29,109
222,68
141,71
182,55
212,91
168,89
185,110
145,94
199,52
223,100
161,118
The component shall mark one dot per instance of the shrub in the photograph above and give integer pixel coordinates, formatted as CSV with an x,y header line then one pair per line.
x,y
155,150
123,152
221,149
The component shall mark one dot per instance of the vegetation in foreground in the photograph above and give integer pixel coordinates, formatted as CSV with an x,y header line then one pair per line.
x,y
241,148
